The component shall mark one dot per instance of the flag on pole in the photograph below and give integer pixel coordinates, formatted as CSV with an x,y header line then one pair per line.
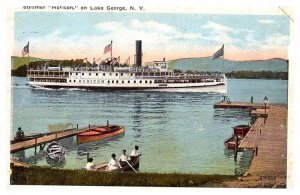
x,y
25,50
219,53
107,49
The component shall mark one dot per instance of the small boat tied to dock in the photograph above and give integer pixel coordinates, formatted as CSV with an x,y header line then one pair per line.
x,y
99,133
239,132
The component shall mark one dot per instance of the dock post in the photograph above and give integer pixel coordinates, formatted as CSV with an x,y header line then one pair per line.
x,y
251,100
89,126
256,151
87,156
35,145
259,131
77,126
236,148
107,123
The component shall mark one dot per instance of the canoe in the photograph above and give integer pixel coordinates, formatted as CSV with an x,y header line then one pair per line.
x,y
134,162
241,130
99,133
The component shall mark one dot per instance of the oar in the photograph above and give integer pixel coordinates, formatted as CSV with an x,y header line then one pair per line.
x,y
131,166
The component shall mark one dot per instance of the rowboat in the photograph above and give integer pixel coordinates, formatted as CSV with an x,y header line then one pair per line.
x,y
134,163
230,142
99,133
241,130
56,152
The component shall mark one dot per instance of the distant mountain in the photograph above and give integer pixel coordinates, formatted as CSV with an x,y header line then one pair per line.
x,y
17,62
207,64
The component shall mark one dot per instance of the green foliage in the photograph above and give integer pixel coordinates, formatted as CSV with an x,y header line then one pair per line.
x,y
17,62
257,75
48,176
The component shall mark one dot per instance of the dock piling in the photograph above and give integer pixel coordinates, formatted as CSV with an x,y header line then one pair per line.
x,y
236,148
77,126
87,156
89,126
256,151
251,100
107,123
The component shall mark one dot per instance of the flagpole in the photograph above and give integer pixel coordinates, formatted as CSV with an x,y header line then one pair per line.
x,y
110,55
223,59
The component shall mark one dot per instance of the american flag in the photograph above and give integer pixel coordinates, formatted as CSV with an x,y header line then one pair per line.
x,y
25,50
107,49
219,53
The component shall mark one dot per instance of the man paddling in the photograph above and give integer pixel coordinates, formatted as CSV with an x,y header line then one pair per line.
x,y
124,158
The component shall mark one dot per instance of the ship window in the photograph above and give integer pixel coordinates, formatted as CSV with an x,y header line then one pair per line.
x,y
146,81
134,81
74,81
116,74
90,74
82,74
76,73
122,81
79,81
109,74
140,81
70,81
112,81
108,81
128,81
103,74
131,74
117,81
96,74
121,74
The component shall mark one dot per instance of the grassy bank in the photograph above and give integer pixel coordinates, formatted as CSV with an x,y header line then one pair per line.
x,y
48,176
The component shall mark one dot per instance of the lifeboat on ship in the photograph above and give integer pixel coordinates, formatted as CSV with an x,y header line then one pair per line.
x,y
99,133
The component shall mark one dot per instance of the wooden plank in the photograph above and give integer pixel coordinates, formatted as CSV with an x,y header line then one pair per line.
x,y
242,105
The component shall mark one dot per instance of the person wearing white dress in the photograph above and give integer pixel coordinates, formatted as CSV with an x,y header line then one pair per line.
x,y
90,165
124,158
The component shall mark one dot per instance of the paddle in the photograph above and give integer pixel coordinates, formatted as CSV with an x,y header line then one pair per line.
x,y
131,166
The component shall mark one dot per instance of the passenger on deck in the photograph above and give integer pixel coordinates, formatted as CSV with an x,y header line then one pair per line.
x,y
20,134
124,158
113,163
135,152
90,165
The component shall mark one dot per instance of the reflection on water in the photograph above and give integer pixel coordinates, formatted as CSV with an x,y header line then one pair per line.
x,y
176,132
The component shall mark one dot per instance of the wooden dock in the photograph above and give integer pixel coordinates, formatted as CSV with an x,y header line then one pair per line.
x,y
270,163
49,137
242,105
268,139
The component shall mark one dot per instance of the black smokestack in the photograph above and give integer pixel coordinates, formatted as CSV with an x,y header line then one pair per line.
x,y
138,53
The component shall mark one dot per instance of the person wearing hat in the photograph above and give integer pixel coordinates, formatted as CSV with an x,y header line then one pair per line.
x,y
113,163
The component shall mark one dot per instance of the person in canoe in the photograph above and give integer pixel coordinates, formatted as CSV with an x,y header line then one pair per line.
x,y
135,152
90,165
113,163
124,158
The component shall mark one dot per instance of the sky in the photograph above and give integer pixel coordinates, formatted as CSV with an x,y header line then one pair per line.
x,y
67,35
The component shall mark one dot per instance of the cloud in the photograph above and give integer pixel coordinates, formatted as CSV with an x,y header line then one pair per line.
x,y
266,21
217,27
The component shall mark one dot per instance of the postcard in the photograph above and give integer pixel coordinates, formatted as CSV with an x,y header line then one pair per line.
x,y
150,95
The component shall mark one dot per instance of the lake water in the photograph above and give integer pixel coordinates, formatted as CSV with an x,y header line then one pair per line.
x,y
176,132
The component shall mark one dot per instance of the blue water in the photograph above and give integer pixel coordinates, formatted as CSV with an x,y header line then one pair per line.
x,y
176,132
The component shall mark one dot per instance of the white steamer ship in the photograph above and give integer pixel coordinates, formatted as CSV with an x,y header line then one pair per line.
x,y
110,75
